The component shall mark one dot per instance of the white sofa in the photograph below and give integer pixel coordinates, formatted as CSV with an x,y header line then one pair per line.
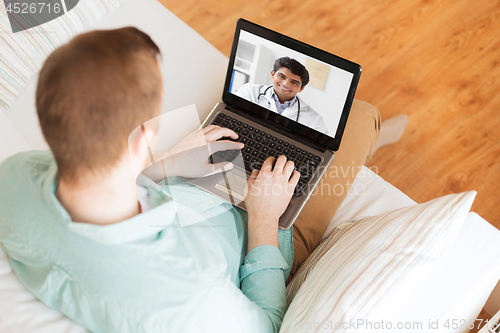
x,y
194,73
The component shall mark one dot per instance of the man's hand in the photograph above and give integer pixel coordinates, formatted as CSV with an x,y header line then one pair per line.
x,y
197,139
269,193
190,157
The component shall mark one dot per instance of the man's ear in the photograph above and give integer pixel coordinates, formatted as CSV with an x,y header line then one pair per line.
x,y
301,89
139,148
137,141
272,73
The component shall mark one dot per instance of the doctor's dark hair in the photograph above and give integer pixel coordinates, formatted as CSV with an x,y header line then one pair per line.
x,y
92,93
294,66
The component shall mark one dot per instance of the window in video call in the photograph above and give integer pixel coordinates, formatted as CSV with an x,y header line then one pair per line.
x,y
318,104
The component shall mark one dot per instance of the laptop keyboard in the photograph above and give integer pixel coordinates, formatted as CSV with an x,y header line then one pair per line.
x,y
259,145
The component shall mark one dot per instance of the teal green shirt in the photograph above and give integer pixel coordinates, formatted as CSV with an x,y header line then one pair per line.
x,y
182,266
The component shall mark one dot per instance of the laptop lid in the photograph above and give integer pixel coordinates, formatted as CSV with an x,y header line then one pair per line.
x,y
317,111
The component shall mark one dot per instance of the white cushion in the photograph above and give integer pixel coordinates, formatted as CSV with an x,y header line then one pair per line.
x,y
24,52
21,311
356,270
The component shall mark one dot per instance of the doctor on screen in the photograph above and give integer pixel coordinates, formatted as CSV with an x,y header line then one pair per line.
x,y
289,78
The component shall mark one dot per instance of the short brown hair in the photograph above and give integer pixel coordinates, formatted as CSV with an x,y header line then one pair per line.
x,y
92,93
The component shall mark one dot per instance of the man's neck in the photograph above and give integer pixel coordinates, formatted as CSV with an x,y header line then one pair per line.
x,y
103,199
281,100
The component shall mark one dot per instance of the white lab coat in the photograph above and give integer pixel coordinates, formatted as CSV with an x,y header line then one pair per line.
x,y
307,116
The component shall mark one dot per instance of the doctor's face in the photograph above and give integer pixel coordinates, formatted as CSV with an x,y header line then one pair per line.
x,y
286,84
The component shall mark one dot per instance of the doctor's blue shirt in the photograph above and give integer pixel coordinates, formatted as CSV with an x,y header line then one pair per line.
x,y
282,106
181,266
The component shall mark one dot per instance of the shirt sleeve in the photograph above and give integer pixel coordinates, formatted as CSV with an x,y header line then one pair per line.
x,y
263,282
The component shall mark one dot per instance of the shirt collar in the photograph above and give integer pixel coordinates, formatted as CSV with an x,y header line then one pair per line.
x,y
285,105
162,214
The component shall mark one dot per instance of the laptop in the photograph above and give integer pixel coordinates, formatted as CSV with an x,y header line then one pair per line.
x,y
307,128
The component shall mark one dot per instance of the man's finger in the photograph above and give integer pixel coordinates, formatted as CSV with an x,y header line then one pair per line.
x,y
280,163
219,132
252,178
267,166
292,183
295,178
288,169
209,128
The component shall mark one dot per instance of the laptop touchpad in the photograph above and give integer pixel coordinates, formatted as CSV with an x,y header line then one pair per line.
x,y
233,184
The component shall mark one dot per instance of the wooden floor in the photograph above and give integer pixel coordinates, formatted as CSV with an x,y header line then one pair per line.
x,y
438,61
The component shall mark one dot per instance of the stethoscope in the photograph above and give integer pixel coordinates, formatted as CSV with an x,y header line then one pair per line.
x,y
269,103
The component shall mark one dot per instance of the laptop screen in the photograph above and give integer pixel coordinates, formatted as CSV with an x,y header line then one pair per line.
x,y
294,82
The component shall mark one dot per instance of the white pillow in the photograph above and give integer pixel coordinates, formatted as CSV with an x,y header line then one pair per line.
x,y
22,54
360,264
